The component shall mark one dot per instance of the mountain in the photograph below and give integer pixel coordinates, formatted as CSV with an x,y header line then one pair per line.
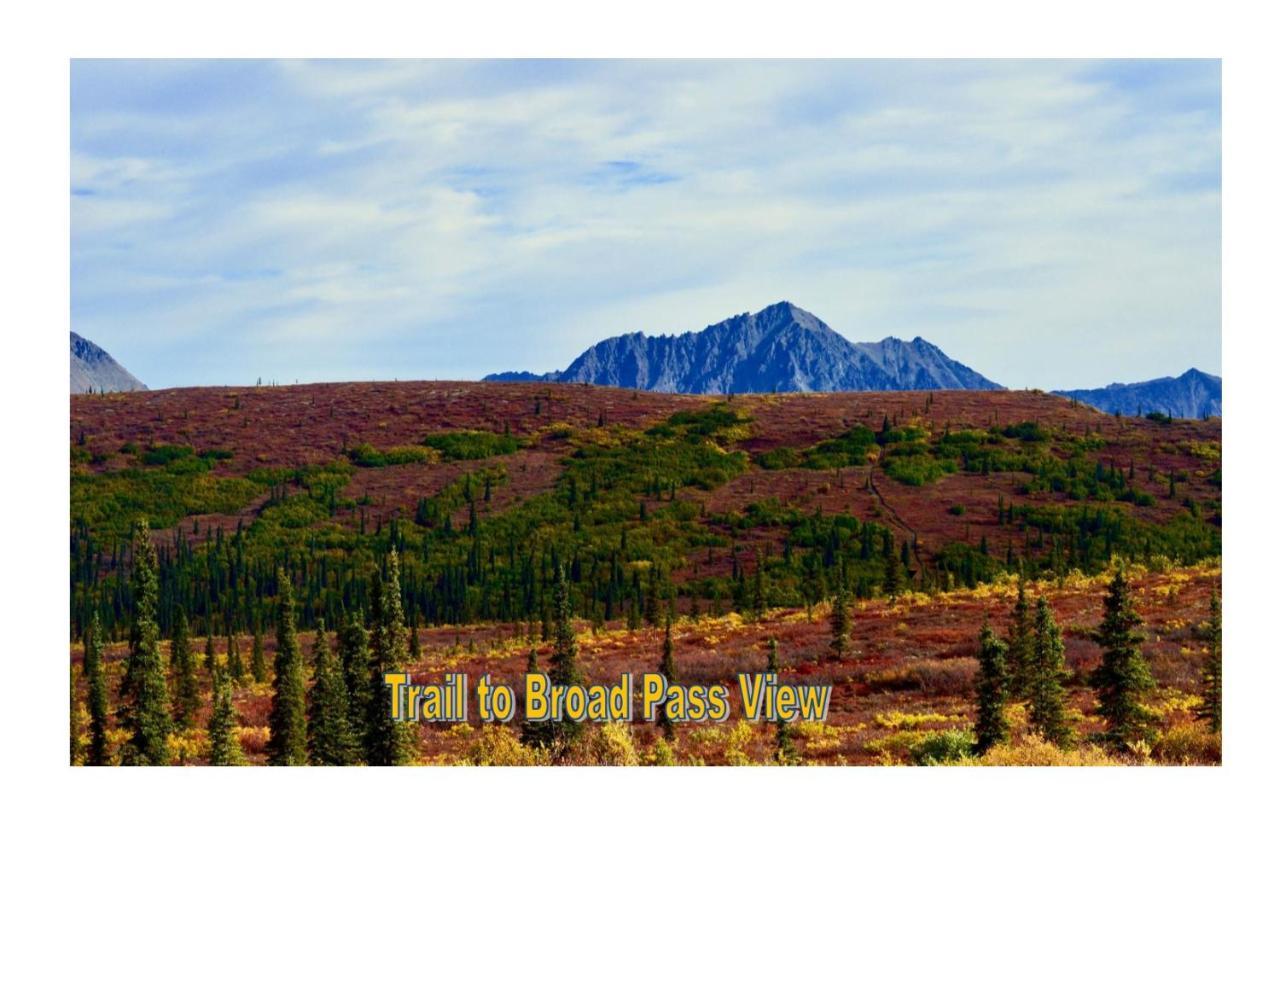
x,y
1192,395
782,348
521,376
93,369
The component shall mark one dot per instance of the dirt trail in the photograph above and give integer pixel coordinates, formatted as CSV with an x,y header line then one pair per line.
x,y
897,519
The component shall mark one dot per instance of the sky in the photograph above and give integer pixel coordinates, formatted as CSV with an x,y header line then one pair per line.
x,y
1050,224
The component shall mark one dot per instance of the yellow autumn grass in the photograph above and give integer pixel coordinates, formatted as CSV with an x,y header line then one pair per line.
x,y
1035,751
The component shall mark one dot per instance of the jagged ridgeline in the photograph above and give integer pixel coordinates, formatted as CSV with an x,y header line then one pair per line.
x,y
1191,395
647,500
782,348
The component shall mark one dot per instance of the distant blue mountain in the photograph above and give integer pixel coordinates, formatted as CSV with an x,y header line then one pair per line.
x,y
1192,395
521,376
780,349
94,370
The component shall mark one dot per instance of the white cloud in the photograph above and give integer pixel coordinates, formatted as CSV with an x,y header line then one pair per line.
x,y
456,218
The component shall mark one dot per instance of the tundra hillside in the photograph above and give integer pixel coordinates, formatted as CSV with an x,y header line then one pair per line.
x,y
858,539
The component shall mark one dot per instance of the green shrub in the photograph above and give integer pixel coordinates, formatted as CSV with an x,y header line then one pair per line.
x,y
110,502
709,421
296,512
849,449
471,444
940,747
969,437
1028,432
781,458
1140,498
901,434
163,454
917,469
365,455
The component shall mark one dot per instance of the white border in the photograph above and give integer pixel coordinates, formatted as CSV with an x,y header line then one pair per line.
x,y
915,877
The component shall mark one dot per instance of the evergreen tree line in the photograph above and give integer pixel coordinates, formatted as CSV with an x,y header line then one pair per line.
x,y
336,712
343,716
226,588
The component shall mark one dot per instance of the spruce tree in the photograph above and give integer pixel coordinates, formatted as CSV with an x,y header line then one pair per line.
x,y
329,736
1210,710
287,745
235,665
145,585
210,651
651,597
535,733
1047,694
892,577
1022,637
564,669
186,699
375,691
668,670
97,681
353,654
785,746
990,685
758,598
1122,678
257,658
224,741
389,742
146,694
76,720
839,622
